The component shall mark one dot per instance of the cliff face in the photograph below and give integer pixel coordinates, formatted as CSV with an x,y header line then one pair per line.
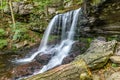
x,y
105,17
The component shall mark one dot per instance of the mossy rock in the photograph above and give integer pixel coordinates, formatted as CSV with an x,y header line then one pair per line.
x,y
97,2
98,53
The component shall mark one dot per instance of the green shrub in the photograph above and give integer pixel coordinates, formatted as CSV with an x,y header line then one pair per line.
x,y
19,31
2,32
3,43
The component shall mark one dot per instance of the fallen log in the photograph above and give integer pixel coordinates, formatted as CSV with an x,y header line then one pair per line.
x,y
76,70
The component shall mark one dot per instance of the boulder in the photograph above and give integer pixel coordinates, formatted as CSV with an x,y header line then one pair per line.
x,y
26,69
98,53
115,59
43,59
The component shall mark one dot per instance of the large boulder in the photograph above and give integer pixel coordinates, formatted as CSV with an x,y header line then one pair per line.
x,y
98,53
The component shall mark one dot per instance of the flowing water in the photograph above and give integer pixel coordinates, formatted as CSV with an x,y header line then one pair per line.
x,y
61,30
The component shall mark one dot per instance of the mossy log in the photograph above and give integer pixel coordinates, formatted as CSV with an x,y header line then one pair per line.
x,y
76,70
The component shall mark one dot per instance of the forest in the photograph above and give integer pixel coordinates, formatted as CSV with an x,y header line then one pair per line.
x,y
59,40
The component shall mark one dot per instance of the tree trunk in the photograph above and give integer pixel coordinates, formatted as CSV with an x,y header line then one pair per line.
x,y
12,13
77,70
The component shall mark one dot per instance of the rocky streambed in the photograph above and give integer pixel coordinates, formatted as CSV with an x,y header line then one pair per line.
x,y
101,61
12,71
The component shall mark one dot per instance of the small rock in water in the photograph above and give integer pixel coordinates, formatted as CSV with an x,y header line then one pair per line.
x,y
43,59
67,60
115,59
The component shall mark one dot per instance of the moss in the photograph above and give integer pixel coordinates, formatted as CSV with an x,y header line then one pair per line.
x,y
86,40
2,32
96,2
114,65
113,37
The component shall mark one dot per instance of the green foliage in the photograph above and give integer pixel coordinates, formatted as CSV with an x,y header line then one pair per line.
x,y
3,43
3,4
87,40
95,2
114,37
67,0
19,32
52,37
2,32
41,4
114,65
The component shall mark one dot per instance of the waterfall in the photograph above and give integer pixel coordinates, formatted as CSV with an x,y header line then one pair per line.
x,y
67,22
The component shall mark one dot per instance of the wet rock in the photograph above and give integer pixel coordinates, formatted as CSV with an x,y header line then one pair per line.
x,y
115,59
67,60
43,59
77,49
98,53
76,46
114,76
26,69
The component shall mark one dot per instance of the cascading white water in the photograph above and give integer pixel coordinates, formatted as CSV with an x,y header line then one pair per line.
x,y
61,49
65,46
43,45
